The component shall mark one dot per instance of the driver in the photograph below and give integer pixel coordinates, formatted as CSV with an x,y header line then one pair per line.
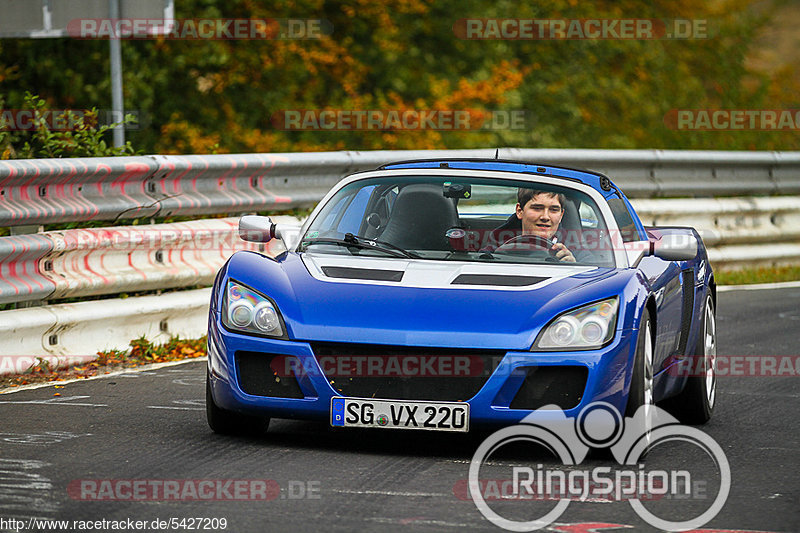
x,y
540,213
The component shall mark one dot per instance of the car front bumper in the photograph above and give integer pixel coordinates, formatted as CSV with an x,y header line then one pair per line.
x,y
606,377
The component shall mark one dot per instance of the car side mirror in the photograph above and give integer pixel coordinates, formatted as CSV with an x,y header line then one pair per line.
x,y
675,246
254,228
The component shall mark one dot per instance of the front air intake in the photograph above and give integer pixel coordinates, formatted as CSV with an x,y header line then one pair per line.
x,y
545,385
266,374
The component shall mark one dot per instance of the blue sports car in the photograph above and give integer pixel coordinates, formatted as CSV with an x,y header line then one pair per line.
x,y
451,294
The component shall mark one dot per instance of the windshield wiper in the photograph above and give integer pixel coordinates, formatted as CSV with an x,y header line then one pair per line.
x,y
363,243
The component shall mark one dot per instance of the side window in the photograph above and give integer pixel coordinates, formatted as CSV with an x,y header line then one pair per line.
x,y
624,220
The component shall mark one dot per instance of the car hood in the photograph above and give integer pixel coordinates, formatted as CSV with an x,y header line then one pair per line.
x,y
326,297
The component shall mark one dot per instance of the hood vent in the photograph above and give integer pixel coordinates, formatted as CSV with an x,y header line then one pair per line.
x,y
497,280
371,274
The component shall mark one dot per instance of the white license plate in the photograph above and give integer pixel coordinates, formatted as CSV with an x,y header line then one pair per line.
x,y
433,416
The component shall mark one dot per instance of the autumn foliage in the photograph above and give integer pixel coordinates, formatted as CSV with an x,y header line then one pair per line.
x,y
205,96
141,352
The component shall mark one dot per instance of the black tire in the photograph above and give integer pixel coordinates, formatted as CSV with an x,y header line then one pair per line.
x,y
641,389
695,403
231,423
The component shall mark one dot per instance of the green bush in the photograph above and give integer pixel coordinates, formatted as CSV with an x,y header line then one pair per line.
x,y
84,138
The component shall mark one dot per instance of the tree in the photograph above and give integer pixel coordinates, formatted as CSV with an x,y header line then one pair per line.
x,y
197,96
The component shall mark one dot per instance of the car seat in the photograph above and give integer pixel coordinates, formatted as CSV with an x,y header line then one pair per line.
x,y
420,217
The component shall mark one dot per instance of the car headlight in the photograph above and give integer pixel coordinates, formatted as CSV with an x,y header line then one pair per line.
x,y
247,311
587,327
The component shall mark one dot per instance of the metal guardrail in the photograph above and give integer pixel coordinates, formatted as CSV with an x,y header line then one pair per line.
x,y
75,332
97,261
738,232
728,221
21,276
66,190
38,191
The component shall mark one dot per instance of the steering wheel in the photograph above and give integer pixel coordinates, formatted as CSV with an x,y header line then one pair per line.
x,y
524,244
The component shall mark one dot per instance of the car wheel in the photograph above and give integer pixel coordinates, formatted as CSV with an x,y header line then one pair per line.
x,y
231,423
640,392
695,404
641,389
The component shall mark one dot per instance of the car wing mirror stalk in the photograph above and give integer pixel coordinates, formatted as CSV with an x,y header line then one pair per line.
x,y
255,228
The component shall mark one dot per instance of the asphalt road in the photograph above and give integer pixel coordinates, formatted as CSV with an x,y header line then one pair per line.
x,y
150,426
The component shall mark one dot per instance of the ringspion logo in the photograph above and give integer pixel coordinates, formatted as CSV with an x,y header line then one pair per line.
x,y
598,425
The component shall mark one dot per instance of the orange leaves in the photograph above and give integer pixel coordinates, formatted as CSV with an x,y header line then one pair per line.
x,y
504,77
141,352
183,137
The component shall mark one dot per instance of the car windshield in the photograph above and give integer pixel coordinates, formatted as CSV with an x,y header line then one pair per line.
x,y
460,219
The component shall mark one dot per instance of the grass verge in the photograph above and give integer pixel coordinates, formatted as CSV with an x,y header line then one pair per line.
x,y
758,275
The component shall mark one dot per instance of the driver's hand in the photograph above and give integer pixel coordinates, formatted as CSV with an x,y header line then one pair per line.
x,y
562,253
